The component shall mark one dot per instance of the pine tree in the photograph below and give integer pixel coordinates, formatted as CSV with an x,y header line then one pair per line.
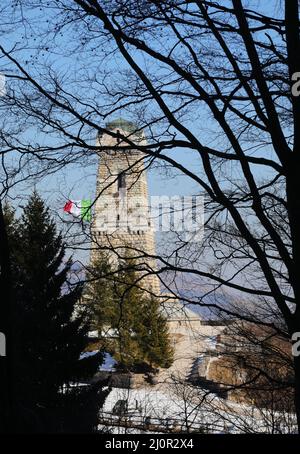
x,y
127,320
52,331
100,291
6,324
154,335
140,331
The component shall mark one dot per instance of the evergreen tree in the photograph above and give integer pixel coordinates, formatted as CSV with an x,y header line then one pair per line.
x,y
127,320
140,333
6,309
101,289
52,330
154,335
9,220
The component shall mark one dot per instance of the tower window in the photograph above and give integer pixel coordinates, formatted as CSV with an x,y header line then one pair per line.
x,y
121,180
118,138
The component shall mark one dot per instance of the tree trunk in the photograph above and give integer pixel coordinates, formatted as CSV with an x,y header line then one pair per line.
x,y
297,389
6,395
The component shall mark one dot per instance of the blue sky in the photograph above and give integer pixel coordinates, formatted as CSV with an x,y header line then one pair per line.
x,y
78,181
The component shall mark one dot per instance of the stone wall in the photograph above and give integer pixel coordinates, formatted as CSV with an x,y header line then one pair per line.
x,y
121,220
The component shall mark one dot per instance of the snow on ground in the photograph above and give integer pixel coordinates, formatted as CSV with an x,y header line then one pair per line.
x,y
196,413
190,408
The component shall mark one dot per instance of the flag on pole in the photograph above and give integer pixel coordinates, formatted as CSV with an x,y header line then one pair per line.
x,y
79,208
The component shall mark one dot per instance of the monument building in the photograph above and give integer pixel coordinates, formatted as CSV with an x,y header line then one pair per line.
x,y
122,225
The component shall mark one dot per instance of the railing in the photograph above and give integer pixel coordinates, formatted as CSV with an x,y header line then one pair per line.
x,y
163,425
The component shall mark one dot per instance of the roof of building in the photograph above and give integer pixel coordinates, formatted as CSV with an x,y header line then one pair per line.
x,y
125,125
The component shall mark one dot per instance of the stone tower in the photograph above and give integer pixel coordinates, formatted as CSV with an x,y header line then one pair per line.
x,y
121,219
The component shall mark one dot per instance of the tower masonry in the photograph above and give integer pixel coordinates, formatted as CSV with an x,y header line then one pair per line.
x,y
122,225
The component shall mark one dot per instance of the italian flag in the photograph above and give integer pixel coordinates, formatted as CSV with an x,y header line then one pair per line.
x,y
79,209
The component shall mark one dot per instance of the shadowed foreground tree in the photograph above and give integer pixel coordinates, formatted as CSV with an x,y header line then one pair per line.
x,y
50,331
209,78
6,371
